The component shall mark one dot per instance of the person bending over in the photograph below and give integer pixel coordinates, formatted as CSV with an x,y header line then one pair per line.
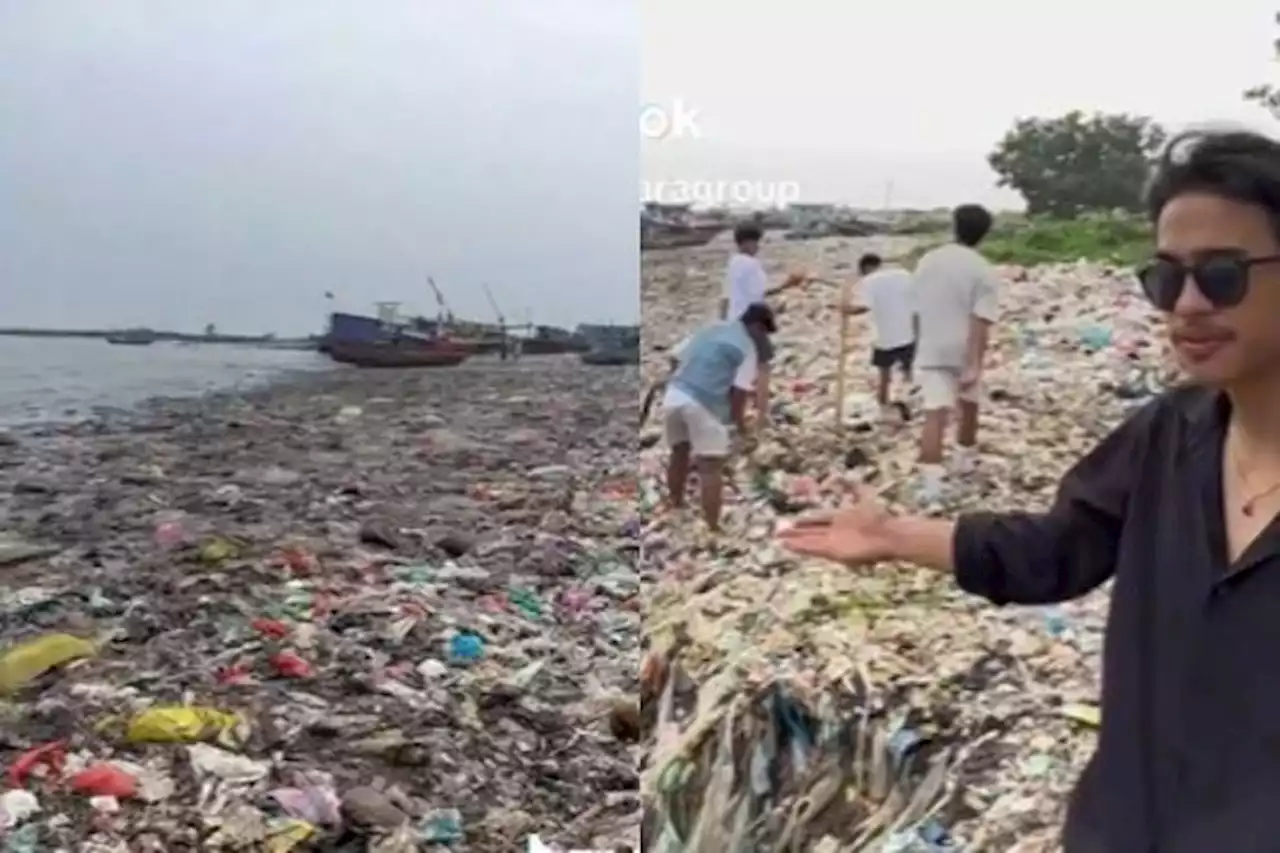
x,y
713,372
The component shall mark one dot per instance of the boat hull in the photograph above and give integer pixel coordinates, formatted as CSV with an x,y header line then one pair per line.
x,y
395,354
611,358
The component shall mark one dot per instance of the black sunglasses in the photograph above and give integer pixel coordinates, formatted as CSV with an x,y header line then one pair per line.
x,y
1222,277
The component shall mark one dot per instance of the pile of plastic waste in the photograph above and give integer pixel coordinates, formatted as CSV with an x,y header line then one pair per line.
x,y
795,705
390,611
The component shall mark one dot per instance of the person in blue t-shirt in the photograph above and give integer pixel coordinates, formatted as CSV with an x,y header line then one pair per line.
x,y
712,377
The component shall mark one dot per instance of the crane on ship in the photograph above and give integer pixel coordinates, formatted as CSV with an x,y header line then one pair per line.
x,y
510,345
444,315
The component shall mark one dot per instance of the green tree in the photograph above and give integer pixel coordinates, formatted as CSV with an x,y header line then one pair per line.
x,y
1265,94
1076,163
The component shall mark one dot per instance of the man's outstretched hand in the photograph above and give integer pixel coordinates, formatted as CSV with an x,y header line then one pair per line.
x,y
856,535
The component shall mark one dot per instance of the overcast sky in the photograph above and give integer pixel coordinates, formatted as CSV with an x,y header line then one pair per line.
x,y
839,99
172,163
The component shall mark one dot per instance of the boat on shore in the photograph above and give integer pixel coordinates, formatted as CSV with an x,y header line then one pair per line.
x,y
397,354
658,237
611,345
674,226
474,338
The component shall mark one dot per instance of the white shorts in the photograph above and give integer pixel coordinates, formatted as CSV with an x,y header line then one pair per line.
x,y
940,388
690,423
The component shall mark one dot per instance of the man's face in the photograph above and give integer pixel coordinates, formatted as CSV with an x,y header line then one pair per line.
x,y
1222,345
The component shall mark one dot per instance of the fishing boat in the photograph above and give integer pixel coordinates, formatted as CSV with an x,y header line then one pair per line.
x,y
674,226
611,357
397,353
858,227
132,337
657,237
610,344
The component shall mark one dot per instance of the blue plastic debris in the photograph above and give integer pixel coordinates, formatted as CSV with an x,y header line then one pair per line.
x,y
442,826
466,647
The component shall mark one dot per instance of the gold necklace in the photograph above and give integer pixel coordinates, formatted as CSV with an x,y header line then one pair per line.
x,y
1250,504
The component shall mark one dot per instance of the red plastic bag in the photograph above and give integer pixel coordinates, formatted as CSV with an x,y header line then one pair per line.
x,y
236,673
51,755
290,665
299,562
273,628
104,780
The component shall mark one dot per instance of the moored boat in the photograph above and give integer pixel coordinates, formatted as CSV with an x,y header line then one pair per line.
x,y
401,353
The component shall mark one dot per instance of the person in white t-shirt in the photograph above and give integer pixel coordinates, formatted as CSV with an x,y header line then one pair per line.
x,y
957,299
888,294
747,284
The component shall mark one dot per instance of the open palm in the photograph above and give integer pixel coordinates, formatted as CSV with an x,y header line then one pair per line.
x,y
855,535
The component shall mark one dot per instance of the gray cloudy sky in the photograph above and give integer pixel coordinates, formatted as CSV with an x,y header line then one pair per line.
x,y
839,99
173,163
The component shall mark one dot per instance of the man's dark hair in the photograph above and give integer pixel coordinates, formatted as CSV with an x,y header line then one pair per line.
x,y
759,314
747,232
970,223
1238,165
870,262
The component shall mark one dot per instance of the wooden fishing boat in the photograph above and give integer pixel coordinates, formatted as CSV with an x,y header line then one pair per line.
x,y
392,354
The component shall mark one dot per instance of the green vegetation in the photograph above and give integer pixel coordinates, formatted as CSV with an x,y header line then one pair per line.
x,y
1120,240
1113,238
1266,95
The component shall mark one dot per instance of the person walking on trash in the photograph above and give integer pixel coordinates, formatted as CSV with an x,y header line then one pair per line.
x,y
1179,505
747,284
713,372
957,295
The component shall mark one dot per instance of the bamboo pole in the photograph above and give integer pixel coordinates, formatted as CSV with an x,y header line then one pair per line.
x,y
842,358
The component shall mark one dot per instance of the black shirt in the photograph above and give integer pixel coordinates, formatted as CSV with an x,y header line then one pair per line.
x,y
1188,756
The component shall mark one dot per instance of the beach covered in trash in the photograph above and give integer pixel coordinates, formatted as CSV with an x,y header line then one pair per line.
x,y
795,705
377,610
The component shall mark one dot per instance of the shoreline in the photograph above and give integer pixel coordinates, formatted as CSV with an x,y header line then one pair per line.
x,y
479,499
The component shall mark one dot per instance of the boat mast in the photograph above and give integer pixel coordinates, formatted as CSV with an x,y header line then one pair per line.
x,y
442,309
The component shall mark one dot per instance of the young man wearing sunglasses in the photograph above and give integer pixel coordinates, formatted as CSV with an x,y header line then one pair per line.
x,y
1179,506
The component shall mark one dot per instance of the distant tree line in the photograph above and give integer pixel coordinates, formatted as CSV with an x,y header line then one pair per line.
x,y
1074,164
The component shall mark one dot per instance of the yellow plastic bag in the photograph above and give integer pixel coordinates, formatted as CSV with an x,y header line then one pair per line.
x,y
287,835
27,661
1089,715
187,724
218,550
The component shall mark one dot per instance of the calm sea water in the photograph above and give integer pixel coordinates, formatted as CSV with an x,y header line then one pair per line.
x,y
45,379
